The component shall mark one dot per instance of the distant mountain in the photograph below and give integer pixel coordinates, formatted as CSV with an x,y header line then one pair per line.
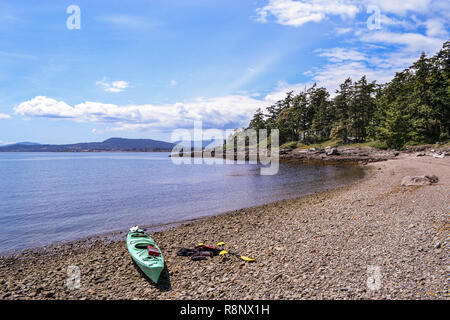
x,y
112,144
25,143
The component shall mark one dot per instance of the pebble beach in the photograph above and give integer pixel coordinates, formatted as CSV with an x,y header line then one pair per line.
x,y
320,246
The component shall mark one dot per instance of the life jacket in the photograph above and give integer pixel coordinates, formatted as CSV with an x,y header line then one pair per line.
x,y
203,247
200,252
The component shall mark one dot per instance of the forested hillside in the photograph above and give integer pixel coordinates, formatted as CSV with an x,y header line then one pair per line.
x,y
414,108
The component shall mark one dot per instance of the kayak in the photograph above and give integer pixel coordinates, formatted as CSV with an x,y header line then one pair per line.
x,y
146,253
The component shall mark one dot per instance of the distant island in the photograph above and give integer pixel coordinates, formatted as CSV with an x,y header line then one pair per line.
x,y
112,144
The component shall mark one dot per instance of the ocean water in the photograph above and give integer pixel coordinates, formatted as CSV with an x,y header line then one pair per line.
x,y
50,197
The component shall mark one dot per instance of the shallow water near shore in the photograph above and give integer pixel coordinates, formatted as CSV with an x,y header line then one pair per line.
x,y
51,197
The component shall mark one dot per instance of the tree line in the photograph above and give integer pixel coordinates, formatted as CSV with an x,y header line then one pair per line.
x,y
413,108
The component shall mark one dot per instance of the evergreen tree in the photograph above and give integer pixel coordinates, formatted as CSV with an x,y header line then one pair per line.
x,y
321,106
413,107
362,107
342,102
258,121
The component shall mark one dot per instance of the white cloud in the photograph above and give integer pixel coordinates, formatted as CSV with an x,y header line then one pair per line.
x,y
391,21
341,31
331,75
45,107
401,7
282,89
375,58
120,84
397,52
334,73
115,86
442,7
217,112
413,42
127,21
4,116
377,54
339,67
436,28
341,54
297,13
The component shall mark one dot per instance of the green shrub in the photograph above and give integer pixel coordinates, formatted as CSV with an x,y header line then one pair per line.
x,y
379,145
289,145
443,137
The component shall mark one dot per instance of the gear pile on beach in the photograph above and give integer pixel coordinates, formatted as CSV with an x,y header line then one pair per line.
x,y
202,252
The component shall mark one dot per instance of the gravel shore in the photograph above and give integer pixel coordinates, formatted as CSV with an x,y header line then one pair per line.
x,y
320,246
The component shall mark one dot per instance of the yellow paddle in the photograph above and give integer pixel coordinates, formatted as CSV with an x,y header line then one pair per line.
x,y
223,252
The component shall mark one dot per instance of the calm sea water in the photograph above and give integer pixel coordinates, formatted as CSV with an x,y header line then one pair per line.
x,y
49,197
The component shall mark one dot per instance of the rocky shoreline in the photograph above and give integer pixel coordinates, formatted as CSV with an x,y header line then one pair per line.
x,y
339,155
328,155
320,246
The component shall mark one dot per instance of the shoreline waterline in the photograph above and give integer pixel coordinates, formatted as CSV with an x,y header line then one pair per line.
x,y
64,197
118,234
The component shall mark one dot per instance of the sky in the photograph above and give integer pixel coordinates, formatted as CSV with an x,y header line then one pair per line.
x,y
82,71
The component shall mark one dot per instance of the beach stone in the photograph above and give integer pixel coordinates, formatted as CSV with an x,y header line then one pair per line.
x,y
419,180
440,155
332,152
421,154
99,280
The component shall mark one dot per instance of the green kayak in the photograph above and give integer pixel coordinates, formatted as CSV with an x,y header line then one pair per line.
x,y
146,253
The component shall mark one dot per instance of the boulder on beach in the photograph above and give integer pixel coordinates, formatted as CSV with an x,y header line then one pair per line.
x,y
332,152
419,180
421,154
439,155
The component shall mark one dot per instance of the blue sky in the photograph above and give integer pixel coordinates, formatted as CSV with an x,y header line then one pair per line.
x,y
141,69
